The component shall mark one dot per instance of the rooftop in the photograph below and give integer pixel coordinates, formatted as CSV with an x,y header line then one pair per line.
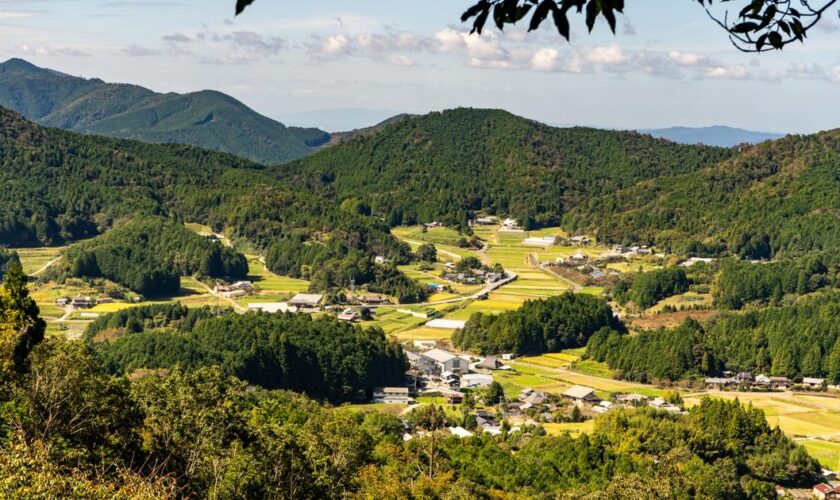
x,y
579,392
308,299
446,324
439,355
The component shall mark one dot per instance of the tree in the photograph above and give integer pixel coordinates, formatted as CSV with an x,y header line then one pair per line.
x,y
21,329
494,394
759,26
427,253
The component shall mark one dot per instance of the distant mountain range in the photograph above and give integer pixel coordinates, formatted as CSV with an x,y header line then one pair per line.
x,y
206,119
712,136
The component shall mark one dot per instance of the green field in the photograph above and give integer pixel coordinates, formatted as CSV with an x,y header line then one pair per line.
x,y
34,259
827,452
688,299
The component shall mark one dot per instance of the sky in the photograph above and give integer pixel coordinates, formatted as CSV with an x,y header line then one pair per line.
x,y
339,64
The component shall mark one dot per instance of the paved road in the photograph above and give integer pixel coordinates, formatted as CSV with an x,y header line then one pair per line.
x,y
511,276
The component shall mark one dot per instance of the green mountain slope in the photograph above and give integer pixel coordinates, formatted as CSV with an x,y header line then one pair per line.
x,y
782,196
441,166
206,119
61,186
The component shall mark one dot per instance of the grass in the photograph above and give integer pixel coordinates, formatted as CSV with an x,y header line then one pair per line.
x,y
827,452
687,299
797,415
33,259
436,235
592,368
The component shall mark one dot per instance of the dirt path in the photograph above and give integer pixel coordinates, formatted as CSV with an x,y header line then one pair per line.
x,y
444,252
236,306
46,266
535,262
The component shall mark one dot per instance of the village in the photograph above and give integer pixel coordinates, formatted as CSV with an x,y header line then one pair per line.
x,y
537,264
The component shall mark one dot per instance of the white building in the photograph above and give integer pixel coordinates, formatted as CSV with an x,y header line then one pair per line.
x,y
391,395
459,432
476,380
306,300
446,324
439,361
271,307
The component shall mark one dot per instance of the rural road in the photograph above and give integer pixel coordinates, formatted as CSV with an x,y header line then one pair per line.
x,y
444,252
577,287
46,266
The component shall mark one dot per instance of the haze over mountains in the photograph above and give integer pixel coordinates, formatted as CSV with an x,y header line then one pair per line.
x,y
206,119
717,135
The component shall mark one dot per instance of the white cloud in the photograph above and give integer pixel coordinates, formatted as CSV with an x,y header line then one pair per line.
x,y
685,58
333,45
545,59
449,40
608,55
50,51
727,72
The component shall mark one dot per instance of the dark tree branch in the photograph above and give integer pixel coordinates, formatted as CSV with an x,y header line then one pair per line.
x,y
760,26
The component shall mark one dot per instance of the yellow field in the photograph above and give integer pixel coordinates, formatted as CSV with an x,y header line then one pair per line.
x,y
422,333
797,415
573,428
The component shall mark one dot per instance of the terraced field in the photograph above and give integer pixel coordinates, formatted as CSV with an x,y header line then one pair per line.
x,y
35,259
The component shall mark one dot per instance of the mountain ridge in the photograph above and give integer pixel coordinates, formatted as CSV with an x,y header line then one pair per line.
x,y
716,135
206,118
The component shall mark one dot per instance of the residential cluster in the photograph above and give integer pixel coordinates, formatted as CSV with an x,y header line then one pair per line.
x,y
746,381
234,290
83,302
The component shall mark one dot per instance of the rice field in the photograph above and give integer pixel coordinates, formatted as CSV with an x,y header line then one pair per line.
x,y
827,452
437,235
798,415
572,428
34,259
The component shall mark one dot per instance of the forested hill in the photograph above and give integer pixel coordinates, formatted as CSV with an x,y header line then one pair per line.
x,y
206,119
61,186
442,165
781,196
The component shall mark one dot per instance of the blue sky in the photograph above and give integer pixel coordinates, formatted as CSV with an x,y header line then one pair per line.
x,y
337,63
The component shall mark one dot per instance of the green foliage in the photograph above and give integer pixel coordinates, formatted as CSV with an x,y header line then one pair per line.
x,y
539,326
21,328
61,186
494,394
788,188
646,289
445,166
426,253
206,119
334,265
652,355
201,433
740,283
149,255
323,358
7,258
797,341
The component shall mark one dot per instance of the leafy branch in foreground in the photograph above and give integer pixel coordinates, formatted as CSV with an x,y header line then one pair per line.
x,y
760,26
